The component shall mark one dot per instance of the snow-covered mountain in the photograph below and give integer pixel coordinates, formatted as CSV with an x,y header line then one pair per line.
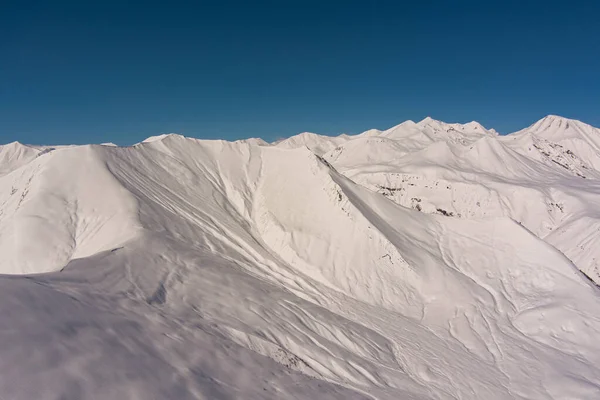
x,y
426,261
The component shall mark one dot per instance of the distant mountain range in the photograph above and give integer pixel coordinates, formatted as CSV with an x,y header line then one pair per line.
x,y
427,261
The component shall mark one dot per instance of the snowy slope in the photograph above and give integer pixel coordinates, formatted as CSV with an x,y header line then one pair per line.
x,y
427,261
541,184
63,204
14,155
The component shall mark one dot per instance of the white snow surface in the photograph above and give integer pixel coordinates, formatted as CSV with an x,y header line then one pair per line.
x,y
426,261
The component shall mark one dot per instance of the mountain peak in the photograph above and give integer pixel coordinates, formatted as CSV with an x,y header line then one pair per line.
x,y
14,144
430,121
160,137
570,133
554,119
555,123
469,127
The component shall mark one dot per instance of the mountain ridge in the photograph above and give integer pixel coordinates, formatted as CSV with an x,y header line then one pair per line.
x,y
424,262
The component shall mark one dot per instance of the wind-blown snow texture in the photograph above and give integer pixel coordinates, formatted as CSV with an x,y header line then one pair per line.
x,y
427,261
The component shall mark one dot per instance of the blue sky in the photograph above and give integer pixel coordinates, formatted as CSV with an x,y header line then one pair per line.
x,y
92,72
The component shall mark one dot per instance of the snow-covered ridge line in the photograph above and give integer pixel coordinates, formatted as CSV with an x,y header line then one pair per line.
x,y
550,122
426,261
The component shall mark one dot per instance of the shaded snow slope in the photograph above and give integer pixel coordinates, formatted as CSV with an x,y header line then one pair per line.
x,y
420,262
61,205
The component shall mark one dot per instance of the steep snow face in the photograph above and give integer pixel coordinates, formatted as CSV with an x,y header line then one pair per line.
x,y
368,270
419,262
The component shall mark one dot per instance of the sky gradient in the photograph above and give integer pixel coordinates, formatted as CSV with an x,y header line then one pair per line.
x,y
77,72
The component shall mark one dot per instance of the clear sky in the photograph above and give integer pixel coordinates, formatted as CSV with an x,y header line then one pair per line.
x,y
120,71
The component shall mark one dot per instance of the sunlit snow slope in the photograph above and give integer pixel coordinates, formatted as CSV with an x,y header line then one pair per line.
x,y
427,261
